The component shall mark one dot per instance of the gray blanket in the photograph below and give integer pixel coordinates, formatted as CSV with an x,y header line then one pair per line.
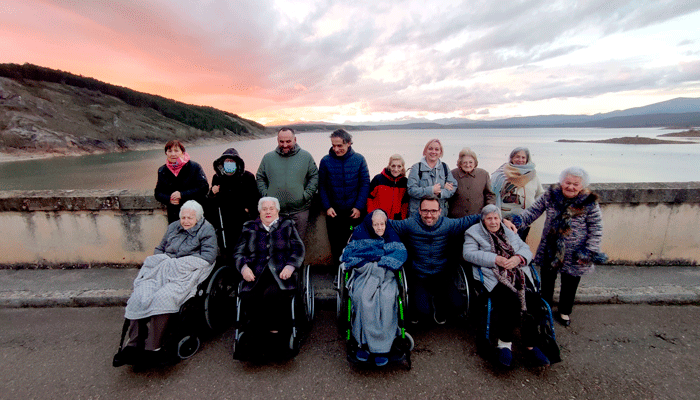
x,y
375,322
164,284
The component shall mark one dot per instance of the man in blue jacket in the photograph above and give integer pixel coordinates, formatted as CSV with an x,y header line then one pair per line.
x,y
344,186
431,280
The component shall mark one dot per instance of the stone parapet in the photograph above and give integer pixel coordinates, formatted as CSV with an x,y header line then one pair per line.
x,y
644,224
648,192
77,200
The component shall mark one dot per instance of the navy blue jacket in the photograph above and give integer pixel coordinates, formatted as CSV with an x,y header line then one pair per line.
x,y
344,181
427,245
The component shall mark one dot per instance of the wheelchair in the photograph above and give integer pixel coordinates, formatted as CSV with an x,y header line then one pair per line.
x,y
302,309
459,293
538,311
209,312
403,343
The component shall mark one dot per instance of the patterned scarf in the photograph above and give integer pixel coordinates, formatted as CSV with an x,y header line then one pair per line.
x,y
177,165
509,176
513,279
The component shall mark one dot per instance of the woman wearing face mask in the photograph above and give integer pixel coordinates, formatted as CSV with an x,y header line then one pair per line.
x,y
179,180
387,191
473,186
233,199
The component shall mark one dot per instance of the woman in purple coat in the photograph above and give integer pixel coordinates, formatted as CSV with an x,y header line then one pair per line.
x,y
571,237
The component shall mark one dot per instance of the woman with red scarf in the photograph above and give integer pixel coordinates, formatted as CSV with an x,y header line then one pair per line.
x,y
180,180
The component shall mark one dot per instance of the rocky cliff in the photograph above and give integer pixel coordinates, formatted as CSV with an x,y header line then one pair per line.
x,y
41,117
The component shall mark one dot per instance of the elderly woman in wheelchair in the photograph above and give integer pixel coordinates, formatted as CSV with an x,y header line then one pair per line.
x,y
183,259
268,255
372,257
500,260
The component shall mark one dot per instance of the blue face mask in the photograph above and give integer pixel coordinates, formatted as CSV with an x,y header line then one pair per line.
x,y
230,167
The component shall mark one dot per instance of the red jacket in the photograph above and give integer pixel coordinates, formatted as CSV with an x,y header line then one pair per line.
x,y
389,194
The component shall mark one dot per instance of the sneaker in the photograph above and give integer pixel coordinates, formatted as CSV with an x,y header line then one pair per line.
x,y
362,355
538,358
505,356
381,361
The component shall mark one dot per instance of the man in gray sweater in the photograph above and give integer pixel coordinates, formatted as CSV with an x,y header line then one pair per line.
x,y
289,174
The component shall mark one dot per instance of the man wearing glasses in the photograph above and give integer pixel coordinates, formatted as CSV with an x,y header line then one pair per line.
x,y
426,236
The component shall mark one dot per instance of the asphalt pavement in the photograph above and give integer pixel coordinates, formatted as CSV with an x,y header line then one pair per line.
x,y
112,286
610,352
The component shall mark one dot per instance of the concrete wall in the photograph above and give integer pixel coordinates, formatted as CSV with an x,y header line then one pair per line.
x,y
644,223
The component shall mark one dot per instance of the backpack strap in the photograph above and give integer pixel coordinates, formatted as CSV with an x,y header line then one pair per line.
x,y
444,168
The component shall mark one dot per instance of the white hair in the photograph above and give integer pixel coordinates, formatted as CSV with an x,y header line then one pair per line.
x,y
518,150
575,171
379,213
266,199
194,206
490,209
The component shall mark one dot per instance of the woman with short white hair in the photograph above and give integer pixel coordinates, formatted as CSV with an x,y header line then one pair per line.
x,y
473,186
268,253
503,259
168,278
570,243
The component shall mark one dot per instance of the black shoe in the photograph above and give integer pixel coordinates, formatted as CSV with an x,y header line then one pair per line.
x,y
156,359
129,355
562,321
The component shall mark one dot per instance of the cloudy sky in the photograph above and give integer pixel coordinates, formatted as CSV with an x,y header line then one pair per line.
x,y
308,60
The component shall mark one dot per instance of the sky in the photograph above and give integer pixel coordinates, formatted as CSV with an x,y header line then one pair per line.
x,y
280,61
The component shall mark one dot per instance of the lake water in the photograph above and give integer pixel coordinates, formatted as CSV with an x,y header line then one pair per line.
x,y
604,162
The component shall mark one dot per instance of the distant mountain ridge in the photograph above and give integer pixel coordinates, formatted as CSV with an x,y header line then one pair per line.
x,y
49,111
676,113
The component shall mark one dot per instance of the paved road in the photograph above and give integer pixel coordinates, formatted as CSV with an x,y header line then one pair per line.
x,y
619,352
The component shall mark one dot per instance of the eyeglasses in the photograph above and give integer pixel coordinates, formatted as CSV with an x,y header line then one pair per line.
x,y
431,212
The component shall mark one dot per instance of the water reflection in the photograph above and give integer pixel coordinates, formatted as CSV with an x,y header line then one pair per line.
x,y
605,162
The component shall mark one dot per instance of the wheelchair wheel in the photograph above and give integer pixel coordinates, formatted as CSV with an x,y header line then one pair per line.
x,y
462,284
236,348
341,302
188,346
403,290
308,293
411,342
220,300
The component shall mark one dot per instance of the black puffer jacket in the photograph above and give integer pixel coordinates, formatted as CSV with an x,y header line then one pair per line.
x,y
191,182
237,200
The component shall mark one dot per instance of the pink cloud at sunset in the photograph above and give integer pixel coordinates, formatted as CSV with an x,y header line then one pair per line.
x,y
279,61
